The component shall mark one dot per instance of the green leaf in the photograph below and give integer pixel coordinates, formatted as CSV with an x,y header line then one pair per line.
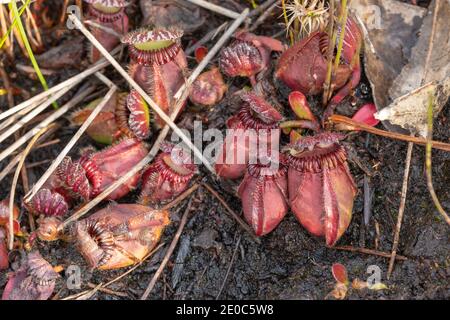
x,y
23,35
11,27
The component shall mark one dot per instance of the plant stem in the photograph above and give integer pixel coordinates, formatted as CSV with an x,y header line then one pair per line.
x,y
428,162
342,22
401,209
296,31
286,21
393,135
13,24
16,178
170,250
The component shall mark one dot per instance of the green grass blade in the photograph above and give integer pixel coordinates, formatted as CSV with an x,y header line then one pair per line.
x,y
6,35
23,35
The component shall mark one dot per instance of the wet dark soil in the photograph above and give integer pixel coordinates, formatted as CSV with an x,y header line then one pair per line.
x,y
288,263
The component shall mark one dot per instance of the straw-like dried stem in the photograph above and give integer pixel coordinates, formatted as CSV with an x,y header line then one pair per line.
x,y
102,63
83,92
215,8
70,145
393,135
19,124
14,184
169,251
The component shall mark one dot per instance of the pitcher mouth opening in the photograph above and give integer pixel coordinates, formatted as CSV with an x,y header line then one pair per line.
x,y
314,153
158,46
92,236
106,14
133,116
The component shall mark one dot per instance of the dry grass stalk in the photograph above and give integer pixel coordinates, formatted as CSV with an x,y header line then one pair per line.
x,y
54,116
338,119
401,209
4,28
69,82
12,163
70,145
19,124
14,184
32,29
215,8
15,34
169,252
106,29
15,117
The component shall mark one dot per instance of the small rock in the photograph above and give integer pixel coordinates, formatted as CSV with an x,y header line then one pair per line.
x,y
206,240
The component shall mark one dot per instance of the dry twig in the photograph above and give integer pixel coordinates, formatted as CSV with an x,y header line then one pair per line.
x,y
169,251
83,92
369,251
181,197
14,184
393,135
106,290
428,143
231,211
70,145
229,267
401,209
215,8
